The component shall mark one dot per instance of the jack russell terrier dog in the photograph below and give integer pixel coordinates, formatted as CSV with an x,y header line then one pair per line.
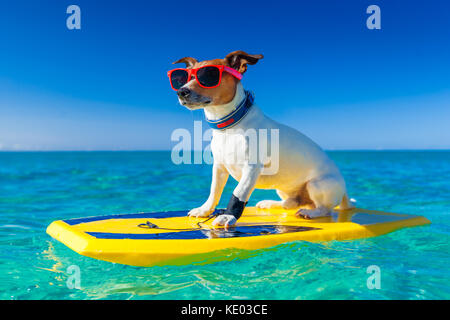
x,y
306,177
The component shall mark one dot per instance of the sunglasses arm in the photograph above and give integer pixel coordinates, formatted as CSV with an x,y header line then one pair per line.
x,y
233,72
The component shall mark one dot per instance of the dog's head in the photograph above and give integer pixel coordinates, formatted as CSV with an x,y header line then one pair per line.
x,y
193,96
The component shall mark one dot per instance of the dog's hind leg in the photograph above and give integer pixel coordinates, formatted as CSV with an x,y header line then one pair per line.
x,y
325,192
286,202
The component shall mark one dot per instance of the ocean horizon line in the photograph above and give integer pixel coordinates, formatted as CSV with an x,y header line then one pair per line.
x,y
168,150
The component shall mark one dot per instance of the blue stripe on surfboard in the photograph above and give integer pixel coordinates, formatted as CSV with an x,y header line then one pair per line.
x,y
150,215
240,231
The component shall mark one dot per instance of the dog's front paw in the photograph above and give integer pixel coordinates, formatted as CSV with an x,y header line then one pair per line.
x,y
226,220
200,212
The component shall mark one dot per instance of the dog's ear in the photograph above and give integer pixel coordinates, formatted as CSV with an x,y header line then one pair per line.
x,y
188,60
239,60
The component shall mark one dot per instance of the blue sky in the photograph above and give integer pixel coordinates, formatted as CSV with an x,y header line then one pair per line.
x,y
104,87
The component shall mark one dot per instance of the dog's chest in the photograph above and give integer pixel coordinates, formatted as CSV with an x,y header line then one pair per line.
x,y
230,150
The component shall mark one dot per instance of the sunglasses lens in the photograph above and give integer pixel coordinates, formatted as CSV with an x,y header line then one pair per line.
x,y
178,78
208,76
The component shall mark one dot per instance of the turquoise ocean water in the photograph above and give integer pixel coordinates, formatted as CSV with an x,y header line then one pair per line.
x,y
37,188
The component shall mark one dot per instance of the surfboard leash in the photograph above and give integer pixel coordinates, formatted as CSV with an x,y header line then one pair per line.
x,y
149,225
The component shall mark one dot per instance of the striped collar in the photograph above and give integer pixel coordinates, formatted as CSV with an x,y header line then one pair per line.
x,y
234,117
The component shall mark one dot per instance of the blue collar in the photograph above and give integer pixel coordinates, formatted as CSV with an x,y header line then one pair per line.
x,y
236,116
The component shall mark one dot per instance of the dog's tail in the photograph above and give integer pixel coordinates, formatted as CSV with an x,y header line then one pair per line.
x,y
346,203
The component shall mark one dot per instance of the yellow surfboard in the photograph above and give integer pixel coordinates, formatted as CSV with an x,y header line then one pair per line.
x,y
171,238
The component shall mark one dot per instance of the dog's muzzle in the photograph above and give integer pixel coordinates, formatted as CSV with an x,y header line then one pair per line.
x,y
191,99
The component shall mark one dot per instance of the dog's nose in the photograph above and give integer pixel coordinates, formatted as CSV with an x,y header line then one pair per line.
x,y
184,92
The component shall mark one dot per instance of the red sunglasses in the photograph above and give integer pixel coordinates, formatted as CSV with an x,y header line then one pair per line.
x,y
208,76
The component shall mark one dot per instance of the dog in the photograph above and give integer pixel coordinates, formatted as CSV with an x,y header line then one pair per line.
x,y
306,179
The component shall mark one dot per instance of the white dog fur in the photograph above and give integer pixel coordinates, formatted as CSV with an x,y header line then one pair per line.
x,y
306,178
